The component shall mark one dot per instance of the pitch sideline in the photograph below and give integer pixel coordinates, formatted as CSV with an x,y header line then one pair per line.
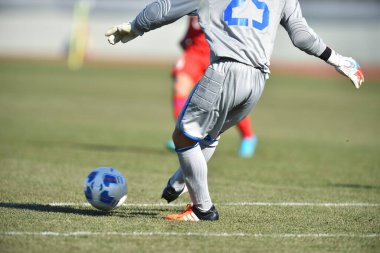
x,y
284,204
189,234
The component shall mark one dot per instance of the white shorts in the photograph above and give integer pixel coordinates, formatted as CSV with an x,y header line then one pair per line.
x,y
225,95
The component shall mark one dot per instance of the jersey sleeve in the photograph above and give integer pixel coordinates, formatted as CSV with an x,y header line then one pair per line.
x,y
162,12
301,35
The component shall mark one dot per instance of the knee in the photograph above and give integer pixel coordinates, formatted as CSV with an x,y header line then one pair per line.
x,y
181,141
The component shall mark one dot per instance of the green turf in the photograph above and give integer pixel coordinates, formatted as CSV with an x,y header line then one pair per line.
x,y
319,142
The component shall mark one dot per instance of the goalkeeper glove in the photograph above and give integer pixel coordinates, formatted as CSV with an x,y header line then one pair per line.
x,y
122,32
347,67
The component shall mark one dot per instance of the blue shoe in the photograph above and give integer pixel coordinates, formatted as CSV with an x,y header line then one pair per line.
x,y
248,147
170,145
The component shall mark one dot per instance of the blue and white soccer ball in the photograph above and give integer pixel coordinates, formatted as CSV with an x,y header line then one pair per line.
x,y
105,188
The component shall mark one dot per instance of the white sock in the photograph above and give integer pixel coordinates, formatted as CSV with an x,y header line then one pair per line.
x,y
208,151
177,181
194,169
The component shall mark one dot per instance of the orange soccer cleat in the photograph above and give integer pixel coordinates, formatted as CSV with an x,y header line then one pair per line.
x,y
191,213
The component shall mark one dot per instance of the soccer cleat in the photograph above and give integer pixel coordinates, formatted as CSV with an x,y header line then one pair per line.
x,y
170,194
191,213
248,147
170,145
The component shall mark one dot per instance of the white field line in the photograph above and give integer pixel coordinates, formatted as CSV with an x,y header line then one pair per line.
x,y
189,234
347,204
286,204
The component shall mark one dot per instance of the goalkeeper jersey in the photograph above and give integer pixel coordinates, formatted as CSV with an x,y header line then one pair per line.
x,y
242,30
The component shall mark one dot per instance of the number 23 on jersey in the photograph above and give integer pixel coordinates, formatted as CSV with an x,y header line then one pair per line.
x,y
240,12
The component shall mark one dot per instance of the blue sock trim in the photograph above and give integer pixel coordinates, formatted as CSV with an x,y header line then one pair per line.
x,y
209,139
181,150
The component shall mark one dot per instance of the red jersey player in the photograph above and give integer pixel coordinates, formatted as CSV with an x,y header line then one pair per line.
x,y
188,71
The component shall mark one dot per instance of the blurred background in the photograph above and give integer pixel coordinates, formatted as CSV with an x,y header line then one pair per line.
x,y
51,28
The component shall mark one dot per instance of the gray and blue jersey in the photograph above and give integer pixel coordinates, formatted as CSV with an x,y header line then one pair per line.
x,y
241,30
241,35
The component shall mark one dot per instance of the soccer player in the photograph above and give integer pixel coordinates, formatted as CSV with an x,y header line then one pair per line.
x,y
241,36
188,70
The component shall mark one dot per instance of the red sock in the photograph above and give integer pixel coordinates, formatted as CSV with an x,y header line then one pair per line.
x,y
245,127
178,103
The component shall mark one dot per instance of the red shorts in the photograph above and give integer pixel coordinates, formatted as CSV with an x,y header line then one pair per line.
x,y
193,62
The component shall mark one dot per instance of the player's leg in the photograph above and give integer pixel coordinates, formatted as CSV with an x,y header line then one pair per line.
x,y
210,110
176,186
188,70
200,115
194,168
248,138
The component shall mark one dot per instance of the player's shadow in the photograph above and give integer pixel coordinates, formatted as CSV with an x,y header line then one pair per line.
x,y
52,209
139,213
129,212
357,186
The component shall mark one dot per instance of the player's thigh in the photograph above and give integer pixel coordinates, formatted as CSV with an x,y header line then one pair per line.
x,y
201,112
247,91
236,115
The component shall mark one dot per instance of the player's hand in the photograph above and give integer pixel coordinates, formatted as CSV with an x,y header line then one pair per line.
x,y
348,67
122,32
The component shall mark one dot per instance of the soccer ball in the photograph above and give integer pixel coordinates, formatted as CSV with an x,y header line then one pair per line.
x,y
105,188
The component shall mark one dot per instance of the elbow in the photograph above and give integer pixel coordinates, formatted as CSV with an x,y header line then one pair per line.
x,y
303,40
153,16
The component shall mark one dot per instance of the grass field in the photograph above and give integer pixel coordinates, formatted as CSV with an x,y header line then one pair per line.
x,y
313,185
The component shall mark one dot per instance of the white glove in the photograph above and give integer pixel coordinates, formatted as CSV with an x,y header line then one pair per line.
x,y
348,67
122,32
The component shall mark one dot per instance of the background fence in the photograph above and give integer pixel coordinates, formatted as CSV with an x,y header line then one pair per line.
x,y
42,28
